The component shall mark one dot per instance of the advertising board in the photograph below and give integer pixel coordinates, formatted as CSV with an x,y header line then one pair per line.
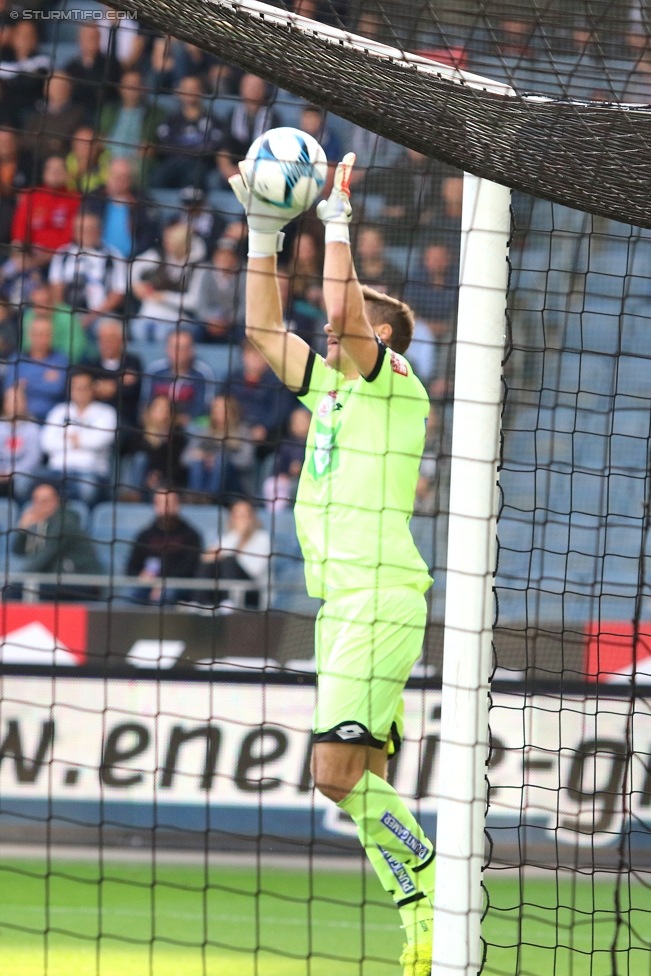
x,y
233,757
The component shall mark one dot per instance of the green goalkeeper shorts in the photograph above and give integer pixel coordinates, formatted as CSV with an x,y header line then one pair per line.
x,y
367,642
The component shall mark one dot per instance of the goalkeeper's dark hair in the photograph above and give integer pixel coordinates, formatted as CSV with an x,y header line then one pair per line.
x,y
384,310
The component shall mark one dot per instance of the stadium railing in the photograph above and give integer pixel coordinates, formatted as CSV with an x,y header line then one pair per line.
x,y
237,589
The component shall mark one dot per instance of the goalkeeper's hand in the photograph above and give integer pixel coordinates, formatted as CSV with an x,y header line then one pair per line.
x,y
265,220
336,212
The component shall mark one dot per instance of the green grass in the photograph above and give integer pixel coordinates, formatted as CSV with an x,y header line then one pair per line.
x,y
181,921
157,925
567,928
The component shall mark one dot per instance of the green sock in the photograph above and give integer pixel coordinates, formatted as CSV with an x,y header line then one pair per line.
x,y
383,819
418,921
401,854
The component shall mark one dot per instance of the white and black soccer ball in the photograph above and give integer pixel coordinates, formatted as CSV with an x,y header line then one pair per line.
x,y
286,167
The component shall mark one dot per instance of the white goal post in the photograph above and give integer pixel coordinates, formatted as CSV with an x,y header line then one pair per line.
x,y
483,279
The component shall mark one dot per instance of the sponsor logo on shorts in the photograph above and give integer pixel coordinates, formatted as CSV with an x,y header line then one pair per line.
x,y
351,731
400,872
421,851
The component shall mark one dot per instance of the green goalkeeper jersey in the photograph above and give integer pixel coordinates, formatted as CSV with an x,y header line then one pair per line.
x,y
357,487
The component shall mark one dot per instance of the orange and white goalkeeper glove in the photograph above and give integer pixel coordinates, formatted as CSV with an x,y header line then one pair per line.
x,y
336,212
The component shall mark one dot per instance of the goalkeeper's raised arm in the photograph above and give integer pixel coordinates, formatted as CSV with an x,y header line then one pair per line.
x,y
342,292
286,353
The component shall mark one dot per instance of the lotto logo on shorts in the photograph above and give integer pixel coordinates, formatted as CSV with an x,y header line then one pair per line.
x,y
350,731
407,886
420,850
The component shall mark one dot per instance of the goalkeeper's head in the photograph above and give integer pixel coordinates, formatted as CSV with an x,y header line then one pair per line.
x,y
392,320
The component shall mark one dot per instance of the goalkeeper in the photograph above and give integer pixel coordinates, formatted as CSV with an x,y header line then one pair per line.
x,y
354,502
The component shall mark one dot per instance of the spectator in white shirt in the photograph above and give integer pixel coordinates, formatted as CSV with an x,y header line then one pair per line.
x,y
92,279
78,438
20,451
242,553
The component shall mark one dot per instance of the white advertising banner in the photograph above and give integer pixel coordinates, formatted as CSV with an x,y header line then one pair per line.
x,y
558,764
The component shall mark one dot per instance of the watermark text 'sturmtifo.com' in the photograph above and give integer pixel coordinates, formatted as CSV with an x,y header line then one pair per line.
x,y
74,13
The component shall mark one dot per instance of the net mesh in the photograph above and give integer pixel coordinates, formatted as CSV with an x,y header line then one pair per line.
x,y
571,582
591,156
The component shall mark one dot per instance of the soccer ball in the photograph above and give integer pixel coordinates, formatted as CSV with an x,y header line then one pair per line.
x,y
286,167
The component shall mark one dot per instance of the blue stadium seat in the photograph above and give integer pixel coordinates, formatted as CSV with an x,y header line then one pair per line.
x,y
610,256
223,106
513,567
590,451
569,252
168,102
167,199
559,289
515,529
565,367
589,493
614,228
631,417
598,374
148,352
399,255
619,578
639,257
559,219
289,108
221,359
62,51
568,220
534,256
372,204
529,289
341,127
626,495
518,488
81,508
542,215
114,525
288,578
423,529
9,515
637,296
226,204
66,31
603,294
628,453
208,520
519,449
635,329
281,527
275,522
527,419
634,377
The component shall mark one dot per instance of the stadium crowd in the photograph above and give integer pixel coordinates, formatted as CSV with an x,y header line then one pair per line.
x,y
125,371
